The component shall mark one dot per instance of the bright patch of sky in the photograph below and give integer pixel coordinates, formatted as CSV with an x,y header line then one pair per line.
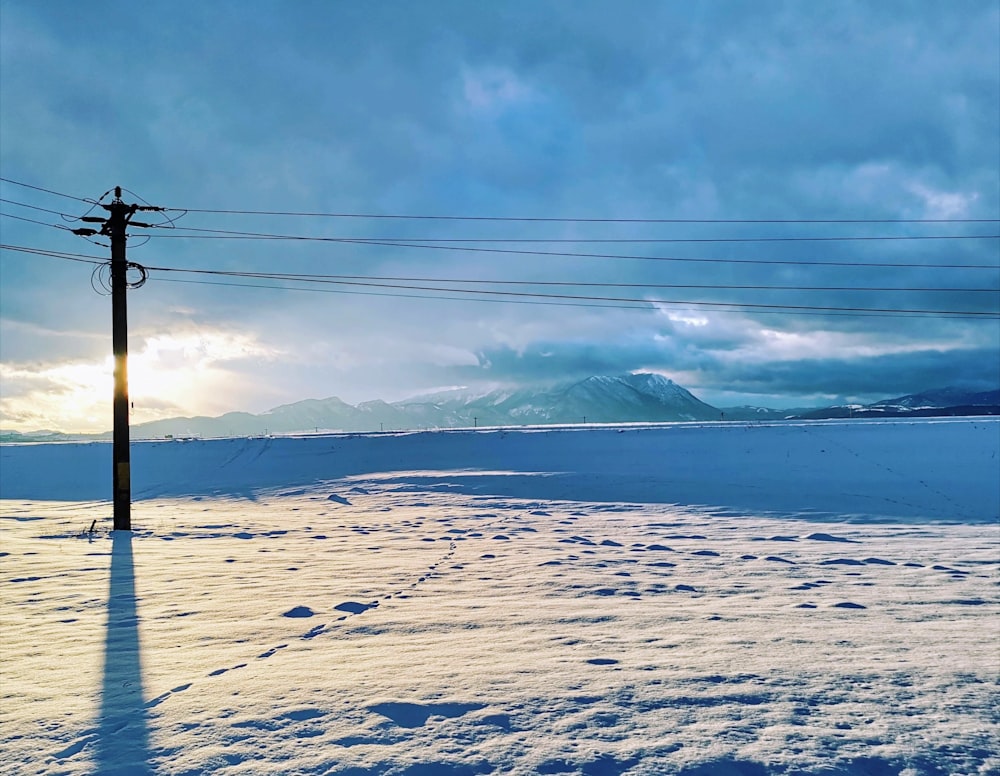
x,y
819,111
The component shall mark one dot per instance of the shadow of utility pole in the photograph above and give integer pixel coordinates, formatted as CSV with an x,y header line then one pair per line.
x,y
123,734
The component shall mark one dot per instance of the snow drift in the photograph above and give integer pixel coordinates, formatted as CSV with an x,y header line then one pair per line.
x,y
941,469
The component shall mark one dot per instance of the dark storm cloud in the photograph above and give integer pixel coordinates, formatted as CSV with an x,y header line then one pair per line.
x,y
874,376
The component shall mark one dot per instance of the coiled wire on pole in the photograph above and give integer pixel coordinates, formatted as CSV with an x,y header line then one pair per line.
x,y
100,278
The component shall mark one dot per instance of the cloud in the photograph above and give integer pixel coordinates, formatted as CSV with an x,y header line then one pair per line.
x,y
779,368
869,377
704,111
492,90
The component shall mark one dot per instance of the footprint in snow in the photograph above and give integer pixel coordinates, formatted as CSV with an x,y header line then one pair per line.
x,y
299,611
311,634
354,607
825,537
842,562
414,715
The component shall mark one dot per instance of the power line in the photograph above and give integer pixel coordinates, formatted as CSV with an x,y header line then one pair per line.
x,y
579,254
533,219
35,207
582,297
203,233
398,243
634,257
47,191
581,284
314,277
33,221
399,295
524,219
638,305
683,259
403,284
56,254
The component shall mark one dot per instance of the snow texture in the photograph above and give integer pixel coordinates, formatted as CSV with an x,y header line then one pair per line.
x,y
718,599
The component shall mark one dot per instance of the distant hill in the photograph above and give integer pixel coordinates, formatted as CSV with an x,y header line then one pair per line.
x,y
942,397
940,402
600,399
629,398
49,436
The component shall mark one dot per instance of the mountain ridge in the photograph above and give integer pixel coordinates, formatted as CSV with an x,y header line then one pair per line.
x,y
627,398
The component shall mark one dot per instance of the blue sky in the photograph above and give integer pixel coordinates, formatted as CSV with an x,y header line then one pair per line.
x,y
563,110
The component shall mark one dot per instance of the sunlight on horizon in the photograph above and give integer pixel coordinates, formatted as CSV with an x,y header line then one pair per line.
x,y
168,375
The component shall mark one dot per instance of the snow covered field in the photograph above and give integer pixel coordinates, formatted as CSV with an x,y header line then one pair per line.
x,y
787,598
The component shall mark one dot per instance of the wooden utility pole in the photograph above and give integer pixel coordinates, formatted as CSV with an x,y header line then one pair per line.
x,y
120,215
114,227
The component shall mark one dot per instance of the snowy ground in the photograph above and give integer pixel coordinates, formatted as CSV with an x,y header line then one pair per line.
x,y
712,599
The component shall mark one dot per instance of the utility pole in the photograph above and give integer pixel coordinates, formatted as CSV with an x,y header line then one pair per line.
x,y
114,227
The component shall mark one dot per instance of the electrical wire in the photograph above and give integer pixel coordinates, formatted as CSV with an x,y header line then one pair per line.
x,y
558,220
582,297
585,284
313,277
47,191
33,221
397,295
641,305
55,254
65,216
533,219
35,207
699,260
100,284
398,243
203,233
579,254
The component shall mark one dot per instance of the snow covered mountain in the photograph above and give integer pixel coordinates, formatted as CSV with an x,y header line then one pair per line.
x,y
933,403
942,397
599,399
625,398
